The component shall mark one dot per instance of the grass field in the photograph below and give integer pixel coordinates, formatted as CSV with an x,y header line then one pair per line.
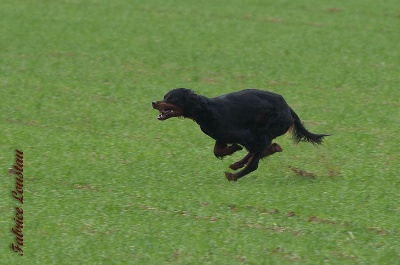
x,y
106,183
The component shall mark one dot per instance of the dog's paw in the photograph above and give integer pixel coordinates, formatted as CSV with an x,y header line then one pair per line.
x,y
230,176
276,148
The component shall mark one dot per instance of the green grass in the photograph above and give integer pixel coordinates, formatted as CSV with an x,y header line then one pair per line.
x,y
106,183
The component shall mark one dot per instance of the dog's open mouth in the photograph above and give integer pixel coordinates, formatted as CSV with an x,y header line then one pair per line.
x,y
166,110
165,114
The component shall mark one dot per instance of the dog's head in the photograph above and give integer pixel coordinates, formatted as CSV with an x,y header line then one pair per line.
x,y
176,103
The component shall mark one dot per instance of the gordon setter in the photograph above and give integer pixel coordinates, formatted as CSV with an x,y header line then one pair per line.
x,y
249,118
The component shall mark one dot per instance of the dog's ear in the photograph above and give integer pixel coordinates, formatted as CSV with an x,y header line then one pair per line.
x,y
194,104
189,96
182,96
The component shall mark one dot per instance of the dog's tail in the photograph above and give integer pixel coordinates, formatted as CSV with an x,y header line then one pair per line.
x,y
300,133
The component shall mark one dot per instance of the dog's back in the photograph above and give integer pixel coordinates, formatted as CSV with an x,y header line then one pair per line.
x,y
249,105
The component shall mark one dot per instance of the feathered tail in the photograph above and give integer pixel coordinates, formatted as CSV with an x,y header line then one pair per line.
x,y
300,133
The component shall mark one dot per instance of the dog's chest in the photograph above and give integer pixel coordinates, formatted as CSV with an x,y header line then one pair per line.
x,y
209,130
221,133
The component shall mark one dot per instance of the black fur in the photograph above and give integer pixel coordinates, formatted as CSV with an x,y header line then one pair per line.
x,y
249,118
300,133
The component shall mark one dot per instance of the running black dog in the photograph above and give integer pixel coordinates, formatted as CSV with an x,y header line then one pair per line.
x,y
250,118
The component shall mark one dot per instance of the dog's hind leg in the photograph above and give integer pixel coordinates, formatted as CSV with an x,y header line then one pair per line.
x,y
252,164
222,149
272,149
251,161
241,163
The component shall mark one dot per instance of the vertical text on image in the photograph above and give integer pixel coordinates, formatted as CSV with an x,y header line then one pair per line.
x,y
18,194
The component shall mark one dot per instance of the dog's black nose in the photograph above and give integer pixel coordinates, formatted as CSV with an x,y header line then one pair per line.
x,y
154,104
